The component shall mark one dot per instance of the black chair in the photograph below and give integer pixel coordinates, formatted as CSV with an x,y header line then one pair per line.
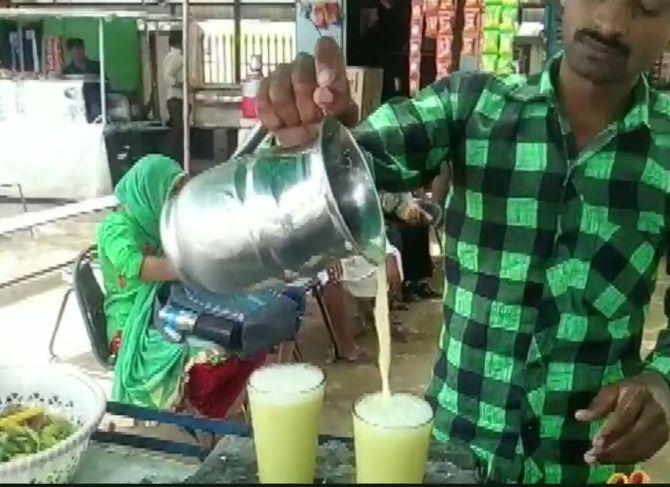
x,y
317,293
90,299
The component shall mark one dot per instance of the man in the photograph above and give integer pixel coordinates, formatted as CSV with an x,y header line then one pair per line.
x,y
554,228
173,76
79,62
411,223
81,65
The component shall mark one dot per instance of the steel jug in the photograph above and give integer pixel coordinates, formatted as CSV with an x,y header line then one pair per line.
x,y
268,218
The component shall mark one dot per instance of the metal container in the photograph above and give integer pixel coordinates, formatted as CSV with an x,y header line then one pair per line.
x,y
276,216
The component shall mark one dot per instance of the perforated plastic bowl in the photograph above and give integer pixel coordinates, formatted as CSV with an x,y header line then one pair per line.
x,y
65,392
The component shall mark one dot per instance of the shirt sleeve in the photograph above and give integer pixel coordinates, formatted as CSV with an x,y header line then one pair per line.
x,y
173,64
409,140
117,241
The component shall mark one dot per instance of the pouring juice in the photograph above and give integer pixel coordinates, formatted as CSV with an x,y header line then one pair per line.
x,y
391,431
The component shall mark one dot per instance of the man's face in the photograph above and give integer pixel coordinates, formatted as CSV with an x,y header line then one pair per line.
x,y
78,54
613,41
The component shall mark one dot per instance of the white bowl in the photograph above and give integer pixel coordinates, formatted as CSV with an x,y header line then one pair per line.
x,y
64,392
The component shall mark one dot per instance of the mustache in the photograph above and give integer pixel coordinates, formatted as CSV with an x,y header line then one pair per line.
x,y
613,43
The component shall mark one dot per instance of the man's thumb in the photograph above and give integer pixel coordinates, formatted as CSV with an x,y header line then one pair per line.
x,y
603,404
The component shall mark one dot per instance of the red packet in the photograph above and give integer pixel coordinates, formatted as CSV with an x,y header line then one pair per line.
x,y
471,20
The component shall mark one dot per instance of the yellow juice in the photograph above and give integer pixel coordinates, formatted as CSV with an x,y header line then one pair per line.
x,y
285,402
391,436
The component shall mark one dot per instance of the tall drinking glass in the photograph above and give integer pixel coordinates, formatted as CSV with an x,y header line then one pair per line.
x,y
391,436
285,402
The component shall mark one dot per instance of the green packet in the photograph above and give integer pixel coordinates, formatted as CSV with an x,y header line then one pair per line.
x,y
505,64
506,42
490,41
489,63
492,16
508,17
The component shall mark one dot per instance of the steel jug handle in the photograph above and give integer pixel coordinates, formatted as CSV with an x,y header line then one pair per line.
x,y
253,141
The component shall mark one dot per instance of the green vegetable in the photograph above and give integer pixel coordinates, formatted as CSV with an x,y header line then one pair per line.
x,y
26,431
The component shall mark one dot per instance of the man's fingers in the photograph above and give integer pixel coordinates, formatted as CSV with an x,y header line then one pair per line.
x,y
333,95
266,113
630,403
641,442
603,404
329,62
297,136
303,79
282,97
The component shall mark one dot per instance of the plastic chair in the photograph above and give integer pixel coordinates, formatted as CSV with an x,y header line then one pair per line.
x,y
22,197
90,299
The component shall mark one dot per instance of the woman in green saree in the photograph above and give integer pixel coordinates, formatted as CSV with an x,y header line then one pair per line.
x,y
151,371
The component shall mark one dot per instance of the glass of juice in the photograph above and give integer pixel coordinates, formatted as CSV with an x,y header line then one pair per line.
x,y
391,437
285,401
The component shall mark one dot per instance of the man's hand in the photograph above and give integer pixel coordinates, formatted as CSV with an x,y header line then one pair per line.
x,y
636,426
415,215
294,98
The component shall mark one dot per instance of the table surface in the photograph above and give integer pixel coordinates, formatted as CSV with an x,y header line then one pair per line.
x,y
116,464
233,462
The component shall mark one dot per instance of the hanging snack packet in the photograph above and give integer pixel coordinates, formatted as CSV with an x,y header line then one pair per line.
x,y
491,41
489,63
492,16
506,42
505,64
471,20
508,17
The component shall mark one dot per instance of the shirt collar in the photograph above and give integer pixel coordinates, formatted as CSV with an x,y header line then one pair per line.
x,y
541,87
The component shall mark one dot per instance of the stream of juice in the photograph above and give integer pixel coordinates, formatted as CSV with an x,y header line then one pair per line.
x,y
383,325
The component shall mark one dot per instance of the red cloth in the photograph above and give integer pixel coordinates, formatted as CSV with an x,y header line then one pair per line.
x,y
212,389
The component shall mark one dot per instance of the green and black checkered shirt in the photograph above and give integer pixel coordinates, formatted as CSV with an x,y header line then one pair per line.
x,y
551,257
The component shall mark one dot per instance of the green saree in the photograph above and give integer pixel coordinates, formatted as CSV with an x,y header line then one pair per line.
x,y
148,369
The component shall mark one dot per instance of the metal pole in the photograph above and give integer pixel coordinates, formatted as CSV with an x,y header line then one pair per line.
x,y
237,39
22,60
103,77
185,90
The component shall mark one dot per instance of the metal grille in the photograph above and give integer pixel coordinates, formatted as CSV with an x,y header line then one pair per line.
x,y
273,41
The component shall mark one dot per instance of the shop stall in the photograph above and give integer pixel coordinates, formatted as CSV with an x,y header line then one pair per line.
x,y
54,122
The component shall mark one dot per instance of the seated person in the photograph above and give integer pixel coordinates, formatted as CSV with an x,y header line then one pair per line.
x,y
411,222
358,278
155,367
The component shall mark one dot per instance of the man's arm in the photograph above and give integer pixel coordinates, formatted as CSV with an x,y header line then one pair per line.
x,y
409,140
636,410
157,269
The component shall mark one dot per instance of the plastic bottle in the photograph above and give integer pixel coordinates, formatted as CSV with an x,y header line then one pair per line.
x,y
250,87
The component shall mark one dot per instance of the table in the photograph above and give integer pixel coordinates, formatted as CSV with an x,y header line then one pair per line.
x,y
233,461
118,464
121,458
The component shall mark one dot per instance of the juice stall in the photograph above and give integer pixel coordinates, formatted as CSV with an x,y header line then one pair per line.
x,y
58,123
